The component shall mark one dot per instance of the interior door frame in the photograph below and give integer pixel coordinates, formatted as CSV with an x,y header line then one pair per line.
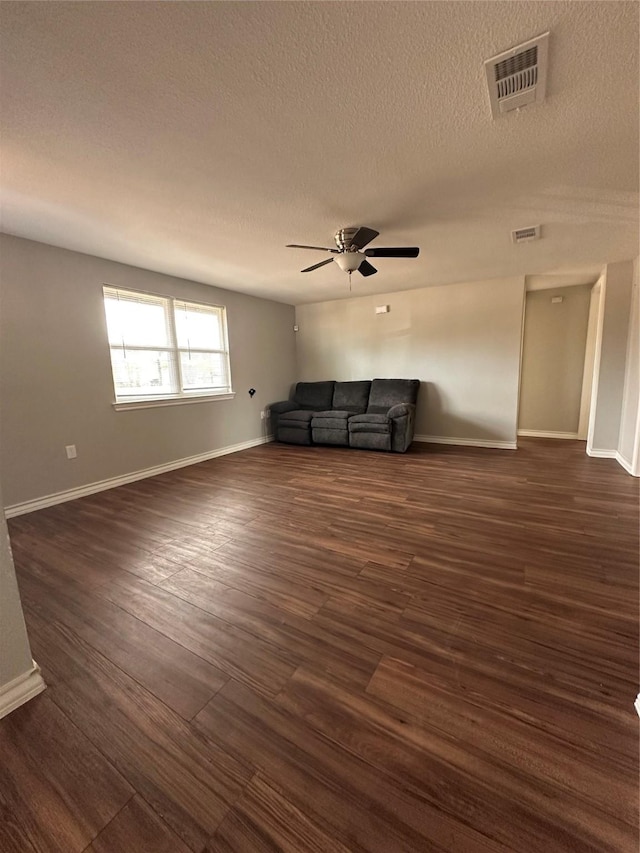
x,y
600,285
587,398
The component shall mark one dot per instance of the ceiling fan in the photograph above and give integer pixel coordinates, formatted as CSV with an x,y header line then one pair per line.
x,y
351,254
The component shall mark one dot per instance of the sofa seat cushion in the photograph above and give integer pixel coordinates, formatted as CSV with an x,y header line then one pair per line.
x,y
369,423
331,420
299,417
371,418
329,423
341,414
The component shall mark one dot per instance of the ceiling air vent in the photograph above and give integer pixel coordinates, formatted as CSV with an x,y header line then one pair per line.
x,y
518,76
526,235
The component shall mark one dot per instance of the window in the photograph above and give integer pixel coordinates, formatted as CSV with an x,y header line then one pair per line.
x,y
165,349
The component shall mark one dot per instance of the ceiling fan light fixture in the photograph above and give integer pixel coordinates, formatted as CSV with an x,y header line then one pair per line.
x,y
349,261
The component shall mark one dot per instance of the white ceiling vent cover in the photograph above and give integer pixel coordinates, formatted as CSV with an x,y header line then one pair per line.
x,y
526,235
518,76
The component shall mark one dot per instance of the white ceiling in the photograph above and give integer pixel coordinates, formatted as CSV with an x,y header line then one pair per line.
x,y
198,139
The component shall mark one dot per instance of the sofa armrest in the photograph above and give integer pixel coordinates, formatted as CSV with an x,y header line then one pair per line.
x,y
402,417
282,407
401,410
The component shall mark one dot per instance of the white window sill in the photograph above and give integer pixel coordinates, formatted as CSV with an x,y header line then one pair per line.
x,y
155,402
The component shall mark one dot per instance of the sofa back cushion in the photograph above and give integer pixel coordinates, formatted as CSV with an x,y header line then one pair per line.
x,y
316,396
389,392
351,396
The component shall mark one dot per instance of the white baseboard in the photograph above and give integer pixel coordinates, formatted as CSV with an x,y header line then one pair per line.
x,y
20,690
113,482
467,442
628,467
536,433
598,453
613,454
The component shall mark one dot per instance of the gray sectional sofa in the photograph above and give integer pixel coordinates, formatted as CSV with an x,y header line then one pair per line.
x,y
372,415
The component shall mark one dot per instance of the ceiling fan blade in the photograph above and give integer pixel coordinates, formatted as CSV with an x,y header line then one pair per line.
x,y
365,268
362,237
315,248
406,252
321,264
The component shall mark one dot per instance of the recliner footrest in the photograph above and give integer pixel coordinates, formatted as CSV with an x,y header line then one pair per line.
x,y
322,435
295,427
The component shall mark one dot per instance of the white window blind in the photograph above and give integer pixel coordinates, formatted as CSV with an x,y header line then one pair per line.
x,y
164,348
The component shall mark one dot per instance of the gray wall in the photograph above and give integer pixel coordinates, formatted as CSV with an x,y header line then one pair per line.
x,y
462,340
15,654
55,374
553,353
610,372
629,423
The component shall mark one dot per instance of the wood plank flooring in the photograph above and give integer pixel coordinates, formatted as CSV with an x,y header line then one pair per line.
x,y
319,650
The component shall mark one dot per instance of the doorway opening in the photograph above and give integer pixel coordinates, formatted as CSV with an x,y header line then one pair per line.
x,y
559,356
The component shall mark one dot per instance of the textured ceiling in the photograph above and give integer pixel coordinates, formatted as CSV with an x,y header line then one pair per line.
x,y
198,139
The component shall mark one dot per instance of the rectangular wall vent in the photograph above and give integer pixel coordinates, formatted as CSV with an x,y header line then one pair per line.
x,y
518,76
526,235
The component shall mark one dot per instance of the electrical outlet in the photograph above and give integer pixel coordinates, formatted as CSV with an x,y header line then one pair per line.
x,y
263,414
71,451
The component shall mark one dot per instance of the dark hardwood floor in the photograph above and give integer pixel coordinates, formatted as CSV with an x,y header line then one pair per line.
x,y
315,649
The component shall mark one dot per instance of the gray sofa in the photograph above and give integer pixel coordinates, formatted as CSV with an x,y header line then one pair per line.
x,y
372,415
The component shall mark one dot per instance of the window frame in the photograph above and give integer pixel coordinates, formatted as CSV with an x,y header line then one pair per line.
x,y
179,396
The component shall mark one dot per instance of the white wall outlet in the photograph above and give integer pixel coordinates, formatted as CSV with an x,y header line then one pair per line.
x,y
71,451
263,414
556,299
382,309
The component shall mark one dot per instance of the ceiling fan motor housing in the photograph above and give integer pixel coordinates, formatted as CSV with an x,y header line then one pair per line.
x,y
344,238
